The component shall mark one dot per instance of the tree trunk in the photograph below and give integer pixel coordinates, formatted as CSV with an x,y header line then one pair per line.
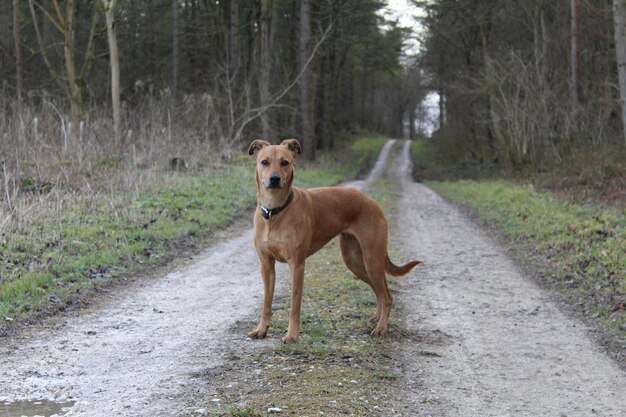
x,y
19,70
304,104
494,134
619,18
540,43
267,38
175,49
114,58
72,82
442,107
75,90
441,93
175,62
233,37
575,50
364,82
412,109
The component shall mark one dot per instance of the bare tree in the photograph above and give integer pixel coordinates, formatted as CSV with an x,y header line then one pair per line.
x,y
304,100
73,81
67,27
175,63
114,58
19,69
619,18
267,39
175,48
233,37
575,42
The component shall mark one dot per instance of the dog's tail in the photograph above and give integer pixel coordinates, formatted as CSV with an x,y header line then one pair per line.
x,y
396,270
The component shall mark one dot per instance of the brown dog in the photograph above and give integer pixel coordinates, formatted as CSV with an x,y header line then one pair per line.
x,y
291,224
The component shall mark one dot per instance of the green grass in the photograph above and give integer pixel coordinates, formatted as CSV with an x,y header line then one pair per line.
x,y
93,241
581,248
89,245
366,150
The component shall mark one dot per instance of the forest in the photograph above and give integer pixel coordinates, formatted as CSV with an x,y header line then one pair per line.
x,y
115,74
525,83
519,84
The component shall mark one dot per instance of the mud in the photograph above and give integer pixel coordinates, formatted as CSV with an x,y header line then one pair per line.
x,y
42,408
485,340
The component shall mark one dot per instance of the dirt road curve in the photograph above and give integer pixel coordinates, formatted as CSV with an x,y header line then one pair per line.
x,y
490,343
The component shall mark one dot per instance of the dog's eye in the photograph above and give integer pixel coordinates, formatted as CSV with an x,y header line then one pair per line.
x,y
265,162
284,163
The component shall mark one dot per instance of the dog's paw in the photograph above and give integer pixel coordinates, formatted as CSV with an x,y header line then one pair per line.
x,y
290,339
379,331
257,334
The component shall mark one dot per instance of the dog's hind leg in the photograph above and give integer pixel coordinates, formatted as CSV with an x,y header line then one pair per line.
x,y
383,299
374,258
353,258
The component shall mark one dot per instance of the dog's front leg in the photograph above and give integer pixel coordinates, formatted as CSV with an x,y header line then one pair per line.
x,y
268,271
297,286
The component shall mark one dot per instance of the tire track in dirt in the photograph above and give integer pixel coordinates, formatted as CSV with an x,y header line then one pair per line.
x,y
491,342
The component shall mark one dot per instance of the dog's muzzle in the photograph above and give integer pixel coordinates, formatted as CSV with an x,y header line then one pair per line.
x,y
274,182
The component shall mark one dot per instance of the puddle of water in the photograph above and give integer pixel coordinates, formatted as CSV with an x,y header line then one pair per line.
x,y
33,408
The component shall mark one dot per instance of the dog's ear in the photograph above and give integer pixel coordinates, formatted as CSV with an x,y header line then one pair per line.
x,y
256,146
293,145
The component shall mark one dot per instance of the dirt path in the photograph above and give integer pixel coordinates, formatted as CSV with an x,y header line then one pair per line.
x,y
490,343
135,356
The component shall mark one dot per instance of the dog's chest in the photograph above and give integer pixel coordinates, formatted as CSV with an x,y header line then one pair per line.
x,y
276,243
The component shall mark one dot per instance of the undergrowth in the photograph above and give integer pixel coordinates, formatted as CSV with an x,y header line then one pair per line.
x,y
581,175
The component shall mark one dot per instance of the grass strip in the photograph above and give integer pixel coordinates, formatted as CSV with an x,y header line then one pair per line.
x,y
580,249
92,242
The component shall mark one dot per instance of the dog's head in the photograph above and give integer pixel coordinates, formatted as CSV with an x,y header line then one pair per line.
x,y
275,163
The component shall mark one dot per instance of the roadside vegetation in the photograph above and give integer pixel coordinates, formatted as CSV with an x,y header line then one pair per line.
x,y
60,242
576,243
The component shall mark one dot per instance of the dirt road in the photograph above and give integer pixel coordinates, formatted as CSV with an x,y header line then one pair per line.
x,y
134,357
490,342
497,345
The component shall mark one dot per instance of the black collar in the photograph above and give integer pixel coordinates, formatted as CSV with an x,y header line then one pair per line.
x,y
269,213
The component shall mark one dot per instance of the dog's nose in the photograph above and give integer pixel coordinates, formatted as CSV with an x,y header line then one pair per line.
x,y
275,181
